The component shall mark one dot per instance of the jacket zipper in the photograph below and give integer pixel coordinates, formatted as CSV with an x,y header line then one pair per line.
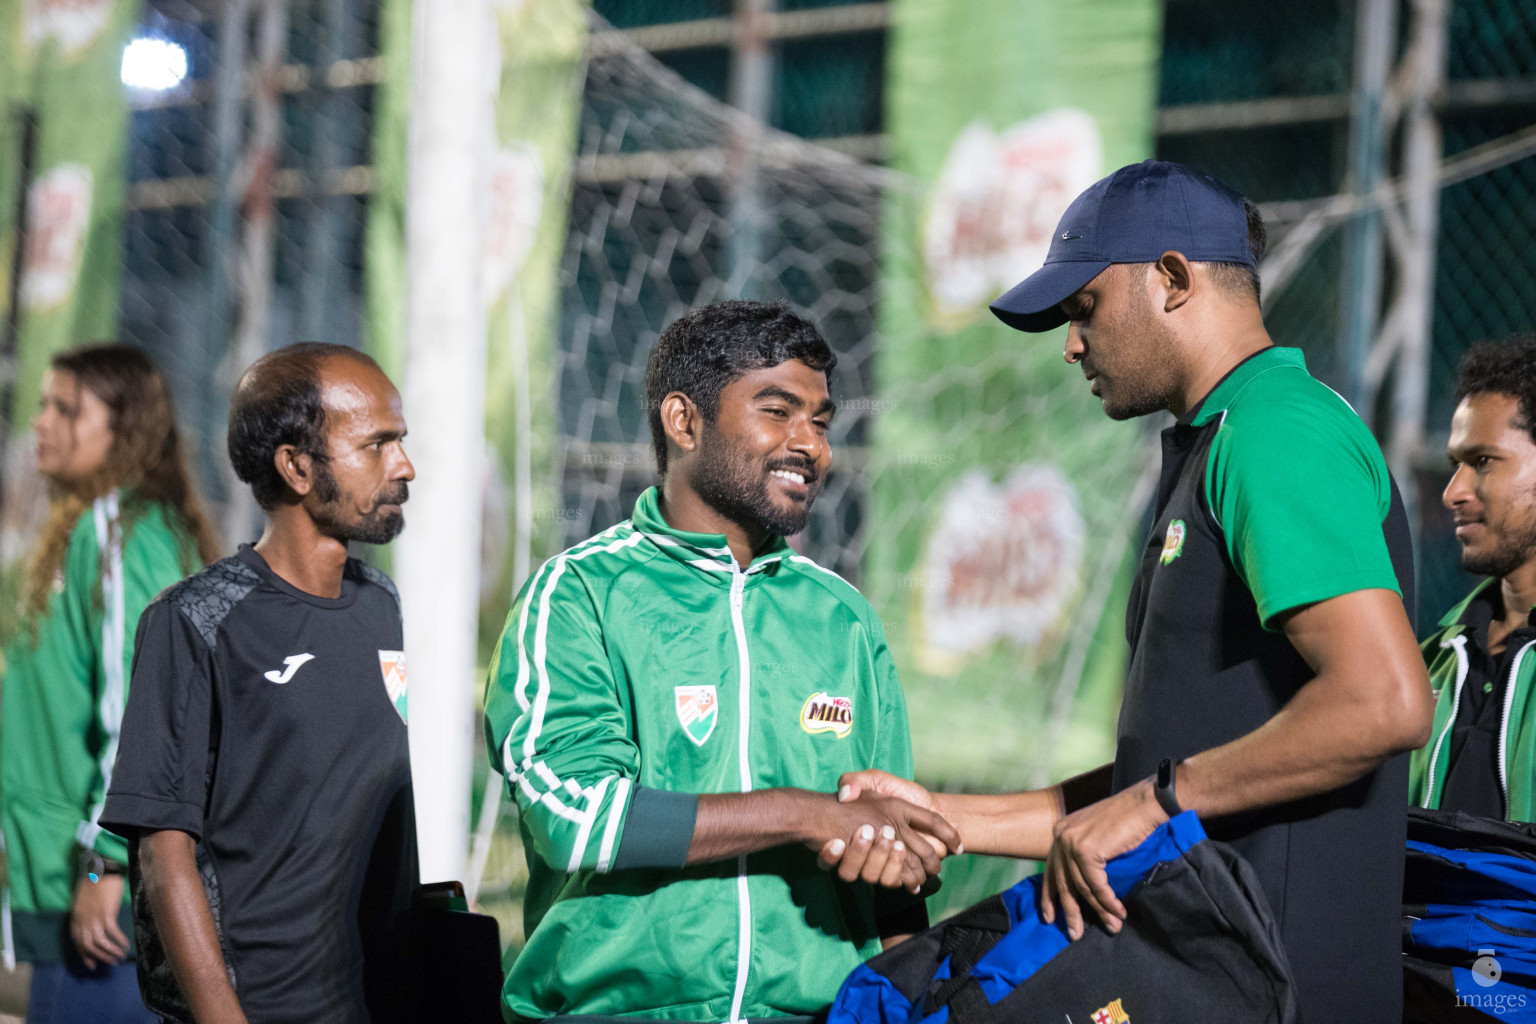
x,y
744,704
1459,643
1509,703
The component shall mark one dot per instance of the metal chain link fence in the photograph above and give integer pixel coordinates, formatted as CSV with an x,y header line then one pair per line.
x,y
678,202
245,208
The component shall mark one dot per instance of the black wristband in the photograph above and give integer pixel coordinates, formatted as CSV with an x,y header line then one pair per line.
x,y
1163,789
94,866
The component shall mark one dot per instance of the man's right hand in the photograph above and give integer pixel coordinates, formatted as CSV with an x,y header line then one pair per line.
x,y
179,906
881,839
1002,825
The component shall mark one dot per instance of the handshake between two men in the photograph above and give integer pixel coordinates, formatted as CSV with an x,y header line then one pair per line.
x,y
1076,827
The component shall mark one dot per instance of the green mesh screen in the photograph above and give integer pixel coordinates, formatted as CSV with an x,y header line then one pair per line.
x,y
634,13
709,68
830,86
1492,39
1215,50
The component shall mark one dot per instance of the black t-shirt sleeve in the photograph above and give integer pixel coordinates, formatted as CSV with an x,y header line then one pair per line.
x,y
161,777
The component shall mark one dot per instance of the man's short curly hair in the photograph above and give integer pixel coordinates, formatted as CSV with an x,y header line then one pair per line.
x,y
1507,368
702,352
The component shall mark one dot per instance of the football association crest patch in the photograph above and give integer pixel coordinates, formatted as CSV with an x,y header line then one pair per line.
x,y
823,712
1173,544
392,665
697,710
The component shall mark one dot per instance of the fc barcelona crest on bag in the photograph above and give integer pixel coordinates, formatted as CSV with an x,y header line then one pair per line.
x,y
392,665
1114,1013
697,710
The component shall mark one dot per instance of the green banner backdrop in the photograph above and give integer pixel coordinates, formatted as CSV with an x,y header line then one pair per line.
x,y
60,84
542,44
1004,500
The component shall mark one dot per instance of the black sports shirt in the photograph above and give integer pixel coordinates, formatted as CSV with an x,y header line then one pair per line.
x,y
269,724
1273,496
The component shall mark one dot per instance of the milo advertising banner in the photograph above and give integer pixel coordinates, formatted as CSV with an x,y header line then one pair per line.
x,y
1006,504
540,46
64,127
63,141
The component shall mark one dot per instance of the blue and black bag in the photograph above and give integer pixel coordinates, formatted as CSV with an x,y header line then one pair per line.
x,y
1469,919
1199,945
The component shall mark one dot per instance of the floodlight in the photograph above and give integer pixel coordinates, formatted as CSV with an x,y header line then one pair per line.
x,y
154,64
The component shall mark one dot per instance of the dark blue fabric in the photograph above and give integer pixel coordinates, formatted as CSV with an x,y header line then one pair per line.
x,y
869,998
67,993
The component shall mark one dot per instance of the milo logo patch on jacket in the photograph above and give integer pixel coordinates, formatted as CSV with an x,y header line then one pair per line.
x,y
823,712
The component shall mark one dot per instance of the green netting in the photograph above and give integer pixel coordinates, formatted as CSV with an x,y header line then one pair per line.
x,y
802,5
1485,282
708,68
1216,50
832,86
1285,162
1492,39
634,13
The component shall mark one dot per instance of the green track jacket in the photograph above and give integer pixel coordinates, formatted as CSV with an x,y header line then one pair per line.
x,y
1445,652
64,690
639,669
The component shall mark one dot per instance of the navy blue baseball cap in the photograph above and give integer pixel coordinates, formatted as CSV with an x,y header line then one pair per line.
x,y
1133,216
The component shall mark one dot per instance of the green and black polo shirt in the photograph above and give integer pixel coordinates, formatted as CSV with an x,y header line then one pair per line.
x,y
1274,495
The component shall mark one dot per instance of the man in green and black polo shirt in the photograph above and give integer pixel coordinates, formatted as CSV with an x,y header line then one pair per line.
x,y
1274,685
1482,757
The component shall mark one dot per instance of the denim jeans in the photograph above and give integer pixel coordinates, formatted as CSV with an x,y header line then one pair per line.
x,y
67,993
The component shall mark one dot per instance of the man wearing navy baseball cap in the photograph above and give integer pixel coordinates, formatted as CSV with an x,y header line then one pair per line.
x,y
1274,685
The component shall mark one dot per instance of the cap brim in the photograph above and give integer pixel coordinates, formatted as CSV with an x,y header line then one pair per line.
x,y
1034,304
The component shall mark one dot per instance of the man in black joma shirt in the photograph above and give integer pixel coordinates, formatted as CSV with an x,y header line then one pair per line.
x,y
263,778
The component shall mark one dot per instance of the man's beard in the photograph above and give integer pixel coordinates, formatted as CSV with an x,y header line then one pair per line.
x,y
1135,396
1146,383
374,527
1513,548
735,487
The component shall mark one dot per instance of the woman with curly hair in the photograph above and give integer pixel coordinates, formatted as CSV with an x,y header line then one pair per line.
x,y
124,523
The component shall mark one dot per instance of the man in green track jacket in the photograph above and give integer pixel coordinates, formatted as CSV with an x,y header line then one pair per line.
x,y
672,703
1481,757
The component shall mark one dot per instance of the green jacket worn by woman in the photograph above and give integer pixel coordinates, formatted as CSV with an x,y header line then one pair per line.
x,y
66,681
637,670
1445,652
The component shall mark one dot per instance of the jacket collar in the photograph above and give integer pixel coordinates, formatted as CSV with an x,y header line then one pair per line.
x,y
707,552
1458,611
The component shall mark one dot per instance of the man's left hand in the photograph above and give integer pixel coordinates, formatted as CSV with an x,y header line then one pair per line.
x,y
1085,842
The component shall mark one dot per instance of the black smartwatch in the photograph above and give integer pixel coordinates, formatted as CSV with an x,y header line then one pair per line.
x,y
94,866
1163,789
